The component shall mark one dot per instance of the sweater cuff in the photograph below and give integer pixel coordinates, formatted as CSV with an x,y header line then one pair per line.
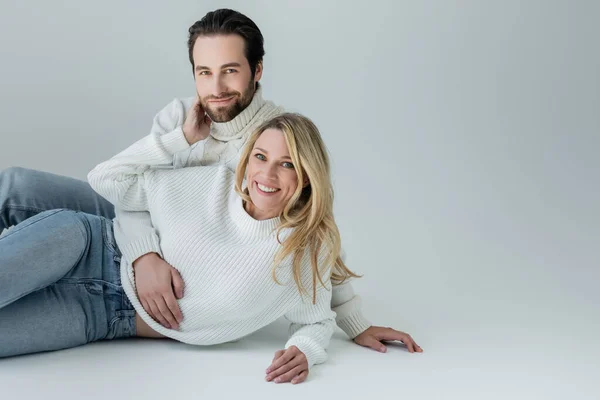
x,y
174,141
313,352
139,247
353,324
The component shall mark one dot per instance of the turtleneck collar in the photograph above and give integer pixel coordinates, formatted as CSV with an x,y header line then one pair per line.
x,y
236,128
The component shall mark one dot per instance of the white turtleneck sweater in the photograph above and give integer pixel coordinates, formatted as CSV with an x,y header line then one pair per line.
x,y
134,230
224,255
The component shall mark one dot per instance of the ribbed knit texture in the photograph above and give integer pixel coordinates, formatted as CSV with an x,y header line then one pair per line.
x,y
224,256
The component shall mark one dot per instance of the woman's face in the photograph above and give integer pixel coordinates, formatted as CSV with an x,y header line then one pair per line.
x,y
271,177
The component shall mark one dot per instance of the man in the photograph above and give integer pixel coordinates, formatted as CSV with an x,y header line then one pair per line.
x,y
226,52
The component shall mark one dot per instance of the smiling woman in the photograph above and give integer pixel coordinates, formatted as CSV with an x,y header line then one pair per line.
x,y
287,172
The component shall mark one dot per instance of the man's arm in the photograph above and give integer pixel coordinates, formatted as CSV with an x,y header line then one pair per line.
x,y
135,234
347,305
120,180
134,231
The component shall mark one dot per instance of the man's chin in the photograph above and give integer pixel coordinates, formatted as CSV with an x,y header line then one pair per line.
x,y
220,115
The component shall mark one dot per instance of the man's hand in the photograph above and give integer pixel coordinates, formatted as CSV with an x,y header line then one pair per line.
x,y
290,364
197,124
157,284
375,335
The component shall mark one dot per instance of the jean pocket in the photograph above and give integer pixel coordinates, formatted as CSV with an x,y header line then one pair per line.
x,y
121,325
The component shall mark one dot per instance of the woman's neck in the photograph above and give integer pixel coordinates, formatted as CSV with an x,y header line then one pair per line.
x,y
256,213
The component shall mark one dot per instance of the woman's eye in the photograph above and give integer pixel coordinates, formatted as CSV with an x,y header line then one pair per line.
x,y
260,157
288,165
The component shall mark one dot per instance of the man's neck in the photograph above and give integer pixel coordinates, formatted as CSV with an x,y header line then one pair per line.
x,y
235,128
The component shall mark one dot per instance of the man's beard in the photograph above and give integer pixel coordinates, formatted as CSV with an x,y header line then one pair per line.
x,y
226,114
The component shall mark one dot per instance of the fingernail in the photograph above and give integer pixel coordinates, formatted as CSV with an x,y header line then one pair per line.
x,y
268,378
278,380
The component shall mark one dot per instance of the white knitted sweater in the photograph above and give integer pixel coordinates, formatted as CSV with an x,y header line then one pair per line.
x,y
223,255
135,232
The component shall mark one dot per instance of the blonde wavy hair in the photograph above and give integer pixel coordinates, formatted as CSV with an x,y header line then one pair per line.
x,y
310,209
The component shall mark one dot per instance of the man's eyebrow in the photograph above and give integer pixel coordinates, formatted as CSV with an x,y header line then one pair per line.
x,y
232,64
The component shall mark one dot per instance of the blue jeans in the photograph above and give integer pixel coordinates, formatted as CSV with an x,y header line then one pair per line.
x,y
60,283
26,192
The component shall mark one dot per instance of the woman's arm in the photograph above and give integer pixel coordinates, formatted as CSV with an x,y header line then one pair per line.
x,y
312,326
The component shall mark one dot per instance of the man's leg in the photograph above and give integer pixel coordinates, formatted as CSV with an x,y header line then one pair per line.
x,y
40,251
26,192
60,284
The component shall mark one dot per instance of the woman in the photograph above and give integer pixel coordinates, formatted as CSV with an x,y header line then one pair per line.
x,y
251,247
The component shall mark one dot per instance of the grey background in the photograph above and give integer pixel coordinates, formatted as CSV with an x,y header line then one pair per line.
x,y
464,137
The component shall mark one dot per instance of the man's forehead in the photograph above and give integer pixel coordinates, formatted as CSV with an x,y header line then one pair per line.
x,y
215,51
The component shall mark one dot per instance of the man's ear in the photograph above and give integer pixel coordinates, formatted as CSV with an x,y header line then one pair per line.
x,y
258,72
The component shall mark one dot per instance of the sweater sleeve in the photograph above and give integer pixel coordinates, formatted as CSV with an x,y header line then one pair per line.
x,y
312,324
120,179
347,307
135,234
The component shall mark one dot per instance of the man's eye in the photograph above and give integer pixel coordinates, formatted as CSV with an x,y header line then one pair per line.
x,y
230,70
203,73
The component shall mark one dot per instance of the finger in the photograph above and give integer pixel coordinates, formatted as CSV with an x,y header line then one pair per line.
x,y
284,359
177,283
291,374
278,354
147,308
283,369
198,109
166,313
300,378
174,308
372,342
158,317
392,334
408,341
418,348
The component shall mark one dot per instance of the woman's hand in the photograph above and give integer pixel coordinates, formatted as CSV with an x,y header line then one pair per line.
x,y
288,365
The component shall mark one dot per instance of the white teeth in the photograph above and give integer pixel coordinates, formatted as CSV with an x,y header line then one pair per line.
x,y
266,188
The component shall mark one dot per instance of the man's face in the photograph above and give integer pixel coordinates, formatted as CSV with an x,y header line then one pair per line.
x,y
223,78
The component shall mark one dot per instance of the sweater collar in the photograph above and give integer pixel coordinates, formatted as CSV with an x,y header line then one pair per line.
x,y
250,226
236,128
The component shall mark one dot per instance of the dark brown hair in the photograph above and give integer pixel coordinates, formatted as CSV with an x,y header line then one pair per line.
x,y
227,22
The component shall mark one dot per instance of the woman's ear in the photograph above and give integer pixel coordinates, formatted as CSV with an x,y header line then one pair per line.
x,y
306,182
